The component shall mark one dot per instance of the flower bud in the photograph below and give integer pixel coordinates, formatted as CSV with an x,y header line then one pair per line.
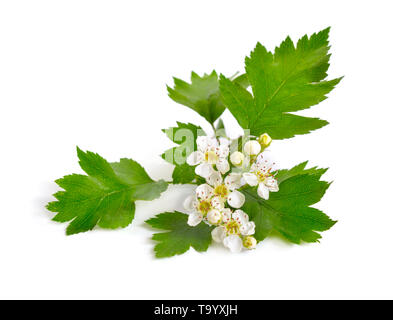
x,y
252,148
237,158
236,199
214,216
264,140
249,242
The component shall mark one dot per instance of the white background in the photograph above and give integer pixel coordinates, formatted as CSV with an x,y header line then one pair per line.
x,y
93,74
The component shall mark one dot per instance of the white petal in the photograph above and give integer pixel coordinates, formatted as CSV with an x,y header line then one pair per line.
x,y
195,158
206,143
215,179
217,203
234,181
226,215
224,141
263,191
218,234
260,158
194,219
213,143
204,170
248,229
190,203
271,183
236,199
223,151
214,216
223,165
251,179
254,167
202,143
234,243
240,216
204,191
266,159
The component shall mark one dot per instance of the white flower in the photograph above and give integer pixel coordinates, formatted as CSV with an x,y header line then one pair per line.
x,y
240,219
252,148
234,227
204,205
237,158
226,191
210,153
260,175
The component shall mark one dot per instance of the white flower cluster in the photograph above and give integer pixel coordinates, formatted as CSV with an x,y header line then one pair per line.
x,y
218,201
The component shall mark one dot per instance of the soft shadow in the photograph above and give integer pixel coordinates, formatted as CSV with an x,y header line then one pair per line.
x,y
47,189
279,240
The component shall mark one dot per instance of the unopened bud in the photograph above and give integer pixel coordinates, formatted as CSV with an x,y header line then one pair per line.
x,y
265,140
252,148
237,158
249,242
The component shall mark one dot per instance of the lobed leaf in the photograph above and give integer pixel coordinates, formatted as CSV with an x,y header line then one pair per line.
x,y
106,196
180,236
288,80
288,211
202,95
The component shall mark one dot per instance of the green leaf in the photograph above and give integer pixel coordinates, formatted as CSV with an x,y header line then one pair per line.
x,y
106,196
180,236
140,185
185,135
285,174
242,80
183,174
288,211
288,80
202,95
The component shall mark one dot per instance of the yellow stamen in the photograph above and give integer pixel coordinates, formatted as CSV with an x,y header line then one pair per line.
x,y
232,227
204,207
211,157
261,176
221,191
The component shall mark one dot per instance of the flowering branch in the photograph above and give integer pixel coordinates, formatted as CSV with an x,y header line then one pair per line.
x,y
240,196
